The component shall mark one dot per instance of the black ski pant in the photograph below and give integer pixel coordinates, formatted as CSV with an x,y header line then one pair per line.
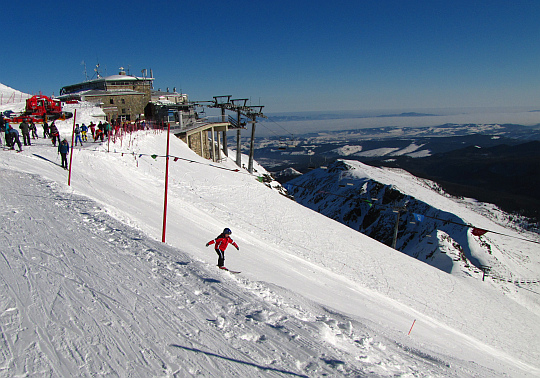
x,y
16,140
9,140
64,160
26,139
221,257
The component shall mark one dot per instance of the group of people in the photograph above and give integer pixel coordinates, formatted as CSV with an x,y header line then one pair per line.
x,y
99,132
27,128
29,131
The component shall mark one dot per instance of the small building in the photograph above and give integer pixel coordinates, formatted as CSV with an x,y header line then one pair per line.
x,y
122,97
207,136
170,107
168,97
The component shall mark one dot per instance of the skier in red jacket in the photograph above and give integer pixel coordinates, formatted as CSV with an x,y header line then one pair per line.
x,y
222,241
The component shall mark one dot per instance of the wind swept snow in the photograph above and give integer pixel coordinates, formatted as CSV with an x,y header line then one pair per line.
x,y
88,289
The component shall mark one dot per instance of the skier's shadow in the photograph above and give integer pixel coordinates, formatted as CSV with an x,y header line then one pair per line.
x,y
265,368
49,160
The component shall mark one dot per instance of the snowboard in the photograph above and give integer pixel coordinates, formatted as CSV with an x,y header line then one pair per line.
x,y
230,271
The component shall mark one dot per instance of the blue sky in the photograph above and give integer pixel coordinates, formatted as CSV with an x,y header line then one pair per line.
x,y
287,55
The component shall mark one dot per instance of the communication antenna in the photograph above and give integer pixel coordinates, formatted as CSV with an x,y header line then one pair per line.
x,y
85,73
97,71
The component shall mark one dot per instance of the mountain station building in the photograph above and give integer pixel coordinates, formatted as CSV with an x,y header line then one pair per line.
x,y
121,96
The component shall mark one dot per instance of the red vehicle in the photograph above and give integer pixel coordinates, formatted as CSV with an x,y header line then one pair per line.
x,y
40,107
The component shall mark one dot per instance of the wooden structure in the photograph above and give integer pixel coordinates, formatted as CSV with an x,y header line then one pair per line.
x,y
205,139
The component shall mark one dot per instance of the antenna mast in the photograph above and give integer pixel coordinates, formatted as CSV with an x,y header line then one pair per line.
x,y
85,73
97,71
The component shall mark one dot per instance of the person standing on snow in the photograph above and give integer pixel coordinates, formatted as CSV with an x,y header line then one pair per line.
x,y
222,241
78,134
63,149
46,129
3,129
84,131
7,135
93,130
25,129
55,134
33,129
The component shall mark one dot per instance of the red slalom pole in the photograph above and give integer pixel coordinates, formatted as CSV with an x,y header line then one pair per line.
x,y
411,327
166,185
71,149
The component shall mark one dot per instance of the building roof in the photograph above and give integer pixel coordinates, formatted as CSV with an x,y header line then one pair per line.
x,y
117,77
125,77
100,92
86,85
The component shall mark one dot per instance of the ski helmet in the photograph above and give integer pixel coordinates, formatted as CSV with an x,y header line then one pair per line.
x,y
227,231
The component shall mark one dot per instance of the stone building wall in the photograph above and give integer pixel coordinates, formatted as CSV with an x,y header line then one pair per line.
x,y
200,146
129,106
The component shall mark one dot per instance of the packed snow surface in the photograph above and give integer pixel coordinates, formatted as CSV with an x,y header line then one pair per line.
x,y
88,288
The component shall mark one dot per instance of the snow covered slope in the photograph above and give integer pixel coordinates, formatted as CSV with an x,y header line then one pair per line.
x,y
366,198
10,95
87,288
12,99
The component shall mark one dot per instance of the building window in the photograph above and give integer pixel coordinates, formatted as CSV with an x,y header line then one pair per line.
x,y
123,111
123,101
112,101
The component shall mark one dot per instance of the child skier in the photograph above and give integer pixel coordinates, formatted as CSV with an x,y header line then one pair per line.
x,y
222,241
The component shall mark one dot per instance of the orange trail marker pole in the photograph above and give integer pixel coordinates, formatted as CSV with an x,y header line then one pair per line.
x,y
411,327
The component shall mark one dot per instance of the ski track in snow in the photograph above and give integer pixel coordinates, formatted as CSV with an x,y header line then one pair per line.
x,y
84,294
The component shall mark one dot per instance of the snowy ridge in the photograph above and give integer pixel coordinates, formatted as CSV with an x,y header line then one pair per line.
x,y
364,198
88,289
411,150
10,95
11,99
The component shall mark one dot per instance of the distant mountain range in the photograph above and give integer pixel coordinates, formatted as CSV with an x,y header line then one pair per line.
x,y
313,116
408,114
492,163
